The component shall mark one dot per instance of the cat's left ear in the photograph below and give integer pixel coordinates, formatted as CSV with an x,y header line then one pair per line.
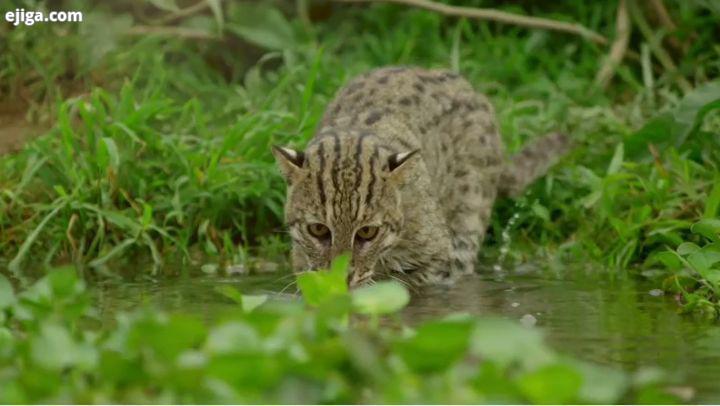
x,y
289,160
399,163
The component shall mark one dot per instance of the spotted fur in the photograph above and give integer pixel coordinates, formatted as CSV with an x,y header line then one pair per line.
x,y
416,153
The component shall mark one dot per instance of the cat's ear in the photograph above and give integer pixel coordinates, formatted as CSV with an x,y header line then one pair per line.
x,y
399,163
289,160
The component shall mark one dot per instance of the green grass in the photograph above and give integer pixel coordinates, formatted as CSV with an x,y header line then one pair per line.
x,y
160,146
159,153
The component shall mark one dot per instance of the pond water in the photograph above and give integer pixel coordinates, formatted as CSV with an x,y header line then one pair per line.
x,y
616,322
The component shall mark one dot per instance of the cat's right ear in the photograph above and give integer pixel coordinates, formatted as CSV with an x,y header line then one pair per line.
x,y
289,160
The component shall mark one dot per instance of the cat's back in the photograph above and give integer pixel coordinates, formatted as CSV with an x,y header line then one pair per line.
x,y
419,98
436,111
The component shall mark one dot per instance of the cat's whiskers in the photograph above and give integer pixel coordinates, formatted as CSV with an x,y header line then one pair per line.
x,y
287,286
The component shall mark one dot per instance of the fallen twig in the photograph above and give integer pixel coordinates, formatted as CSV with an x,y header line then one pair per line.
x,y
497,15
656,46
618,48
182,13
179,32
666,21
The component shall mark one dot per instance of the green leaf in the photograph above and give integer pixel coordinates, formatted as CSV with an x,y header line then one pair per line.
x,y
506,342
216,8
702,261
147,216
712,204
7,296
708,228
541,211
14,265
251,302
667,258
233,337
262,25
658,131
694,106
551,384
436,345
601,385
230,293
687,248
54,349
112,151
319,286
676,127
167,337
617,159
380,298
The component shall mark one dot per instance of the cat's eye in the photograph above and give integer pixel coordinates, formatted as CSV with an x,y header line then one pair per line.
x,y
318,230
367,233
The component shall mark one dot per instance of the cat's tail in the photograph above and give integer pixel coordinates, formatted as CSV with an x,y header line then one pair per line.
x,y
532,162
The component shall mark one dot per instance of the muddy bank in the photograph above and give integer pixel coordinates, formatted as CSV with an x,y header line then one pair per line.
x,y
15,129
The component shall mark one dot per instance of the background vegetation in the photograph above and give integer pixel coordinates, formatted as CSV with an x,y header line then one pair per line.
x,y
156,118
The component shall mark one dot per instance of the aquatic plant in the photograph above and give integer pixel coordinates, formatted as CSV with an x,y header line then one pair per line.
x,y
325,348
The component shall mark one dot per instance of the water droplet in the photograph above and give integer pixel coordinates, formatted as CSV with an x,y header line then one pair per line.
x,y
528,320
505,236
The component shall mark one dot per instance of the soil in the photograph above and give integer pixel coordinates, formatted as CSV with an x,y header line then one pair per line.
x,y
15,130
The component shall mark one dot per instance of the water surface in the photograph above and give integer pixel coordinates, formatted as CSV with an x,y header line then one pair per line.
x,y
620,323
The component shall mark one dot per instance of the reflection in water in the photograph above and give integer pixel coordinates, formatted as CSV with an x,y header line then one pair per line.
x,y
611,322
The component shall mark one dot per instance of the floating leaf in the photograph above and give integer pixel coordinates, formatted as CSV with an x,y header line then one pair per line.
x,y
233,337
251,302
551,384
231,293
601,385
506,342
319,286
380,298
55,349
423,351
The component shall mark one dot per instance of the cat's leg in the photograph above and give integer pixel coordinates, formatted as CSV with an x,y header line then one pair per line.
x,y
475,168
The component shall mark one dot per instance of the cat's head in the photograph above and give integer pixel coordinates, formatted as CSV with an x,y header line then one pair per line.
x,y
344,197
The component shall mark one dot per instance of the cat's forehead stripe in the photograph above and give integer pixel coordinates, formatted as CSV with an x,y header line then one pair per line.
x,y
319,175
358,173
345,176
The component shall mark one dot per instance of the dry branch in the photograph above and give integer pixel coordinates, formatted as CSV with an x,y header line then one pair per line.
x,y
178,32
656,46
618,48
182,13
666,21
497,15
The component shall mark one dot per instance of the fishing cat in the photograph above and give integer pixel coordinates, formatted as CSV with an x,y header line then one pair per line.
x,y
402,174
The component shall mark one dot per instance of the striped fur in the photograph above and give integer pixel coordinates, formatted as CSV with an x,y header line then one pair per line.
x,y
415,153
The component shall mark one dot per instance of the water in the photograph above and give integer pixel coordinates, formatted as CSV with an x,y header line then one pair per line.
x,y
620,323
